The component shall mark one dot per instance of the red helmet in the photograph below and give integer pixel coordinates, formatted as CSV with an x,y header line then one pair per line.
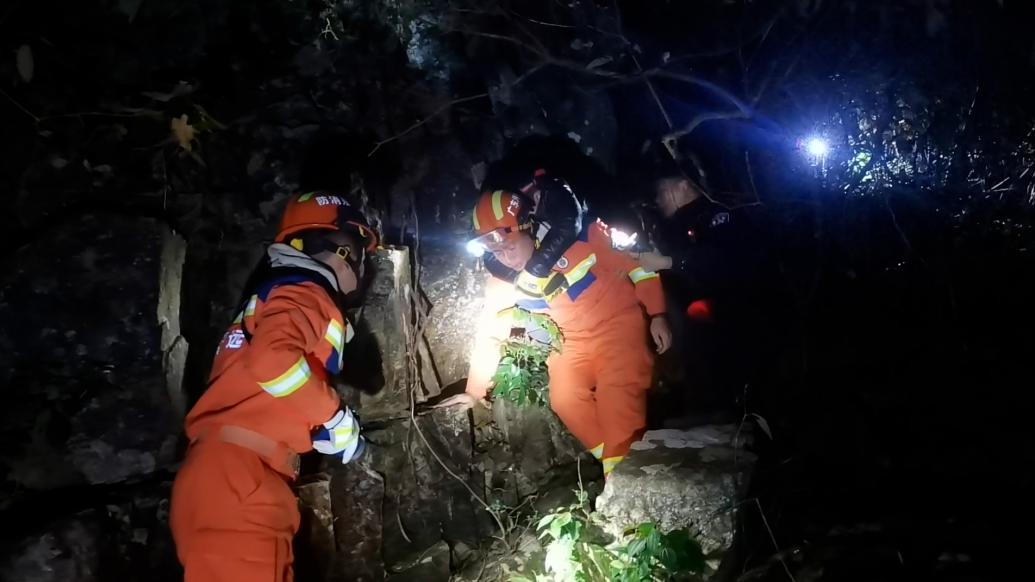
x,y
324,211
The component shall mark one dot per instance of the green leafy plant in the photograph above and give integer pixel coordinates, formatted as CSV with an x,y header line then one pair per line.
x,y
578,551
521,376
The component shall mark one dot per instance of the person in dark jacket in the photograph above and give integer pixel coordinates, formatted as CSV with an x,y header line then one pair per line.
x,y
710,262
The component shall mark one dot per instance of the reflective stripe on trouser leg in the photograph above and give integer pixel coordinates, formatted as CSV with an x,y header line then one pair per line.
x,y
610,463
597,451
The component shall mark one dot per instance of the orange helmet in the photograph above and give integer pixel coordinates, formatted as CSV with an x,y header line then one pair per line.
x,y
501,209
324,211
498,216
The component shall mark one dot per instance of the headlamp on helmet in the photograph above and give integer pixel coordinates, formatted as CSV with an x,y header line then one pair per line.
x,y
491,241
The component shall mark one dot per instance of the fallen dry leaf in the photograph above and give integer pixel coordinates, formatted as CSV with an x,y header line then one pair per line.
x,y
24,61
182,131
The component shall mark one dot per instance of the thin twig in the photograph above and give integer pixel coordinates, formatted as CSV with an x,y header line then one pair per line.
x,y
434,114
653,93
697,121
779,554
402,530
20,106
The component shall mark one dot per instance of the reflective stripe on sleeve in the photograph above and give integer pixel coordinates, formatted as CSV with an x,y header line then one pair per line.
x,y
335,335
579,271
290,381
640,274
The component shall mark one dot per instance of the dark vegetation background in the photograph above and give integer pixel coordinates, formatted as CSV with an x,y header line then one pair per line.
x,y
898,386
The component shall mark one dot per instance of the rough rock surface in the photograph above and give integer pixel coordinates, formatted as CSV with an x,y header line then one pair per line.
x,y
423,502
357,495
315,544
122,535
431,565
453,284
88,341
681,479
524,450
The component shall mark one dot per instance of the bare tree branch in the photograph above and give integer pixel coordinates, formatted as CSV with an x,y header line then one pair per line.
x,y
670,139
434,114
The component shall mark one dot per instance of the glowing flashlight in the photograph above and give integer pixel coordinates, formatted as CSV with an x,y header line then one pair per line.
x,y
621,240
817,147
475,248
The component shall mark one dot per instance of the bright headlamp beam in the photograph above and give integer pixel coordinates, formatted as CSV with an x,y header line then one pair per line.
x,y
622,240
817,147
475,248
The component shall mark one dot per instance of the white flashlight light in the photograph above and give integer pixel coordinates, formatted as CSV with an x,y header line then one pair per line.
x,y
817,147
475,248
621,240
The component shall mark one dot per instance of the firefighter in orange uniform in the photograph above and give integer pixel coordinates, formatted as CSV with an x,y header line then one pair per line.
x,y
233,513
599,381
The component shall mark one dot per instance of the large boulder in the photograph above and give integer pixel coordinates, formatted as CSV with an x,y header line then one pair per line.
x,y
525,450
454,284
122,534
429,475
378,359
681,479
90,354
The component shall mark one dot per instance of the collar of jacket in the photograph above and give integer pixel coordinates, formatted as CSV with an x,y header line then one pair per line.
x,y
282,255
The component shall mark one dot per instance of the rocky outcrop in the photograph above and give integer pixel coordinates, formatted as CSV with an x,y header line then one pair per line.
x,y
454,284
92,357
681,479
92,365
526,450
377,360
124,535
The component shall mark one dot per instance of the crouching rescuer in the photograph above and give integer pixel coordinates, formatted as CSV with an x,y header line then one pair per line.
x,y
598,382
233,513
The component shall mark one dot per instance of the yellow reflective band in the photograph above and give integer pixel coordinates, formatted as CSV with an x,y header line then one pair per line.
x,y
239,318
306,196
640,274
349,332
497,204
249,309
610,463
288,382
335,335
597,451
343,436
474,215
579,271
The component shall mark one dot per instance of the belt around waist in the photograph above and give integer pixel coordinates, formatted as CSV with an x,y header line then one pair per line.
x,y
276,455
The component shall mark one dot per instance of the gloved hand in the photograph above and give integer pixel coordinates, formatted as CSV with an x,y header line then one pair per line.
x,y
547,288
340,436
652,260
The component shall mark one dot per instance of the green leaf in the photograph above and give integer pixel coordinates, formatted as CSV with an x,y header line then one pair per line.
x,y
684,555
546,520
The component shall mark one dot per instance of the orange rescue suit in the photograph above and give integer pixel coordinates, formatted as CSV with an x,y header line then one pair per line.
x,y
598,382
233,512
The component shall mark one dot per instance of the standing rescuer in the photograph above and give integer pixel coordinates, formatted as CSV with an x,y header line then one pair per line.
x,y
233,512
712,265
598,382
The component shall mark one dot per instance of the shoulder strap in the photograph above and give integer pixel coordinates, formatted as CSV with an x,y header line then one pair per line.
x,y
265,278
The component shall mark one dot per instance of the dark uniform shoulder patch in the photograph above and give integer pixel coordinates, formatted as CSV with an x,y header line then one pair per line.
x,y
720,219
